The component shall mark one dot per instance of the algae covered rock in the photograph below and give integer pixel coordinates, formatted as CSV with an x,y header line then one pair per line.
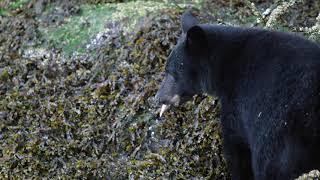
x,y
93,115
314,174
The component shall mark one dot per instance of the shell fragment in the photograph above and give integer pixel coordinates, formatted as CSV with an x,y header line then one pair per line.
x,y
164,107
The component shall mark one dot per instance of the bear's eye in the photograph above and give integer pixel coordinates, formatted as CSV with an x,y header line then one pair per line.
x,y
178,64
180,67
175,63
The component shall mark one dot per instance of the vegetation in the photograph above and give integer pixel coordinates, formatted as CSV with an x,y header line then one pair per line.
x,y
77,82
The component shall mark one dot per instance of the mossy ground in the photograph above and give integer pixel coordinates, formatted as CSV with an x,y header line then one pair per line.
x,y
90,114
73,35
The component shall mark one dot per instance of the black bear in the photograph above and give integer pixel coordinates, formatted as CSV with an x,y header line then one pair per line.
x,y
268,84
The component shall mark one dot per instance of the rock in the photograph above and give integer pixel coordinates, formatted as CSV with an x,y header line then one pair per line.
x,y
314,174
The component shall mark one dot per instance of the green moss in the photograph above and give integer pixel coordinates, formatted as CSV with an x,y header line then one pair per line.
x,y
73,35
4,76
18,4
3,12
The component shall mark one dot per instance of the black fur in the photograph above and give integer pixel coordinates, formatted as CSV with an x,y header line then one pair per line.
x,y
269,87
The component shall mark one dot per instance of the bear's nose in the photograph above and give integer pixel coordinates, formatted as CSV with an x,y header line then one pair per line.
x,y
159,100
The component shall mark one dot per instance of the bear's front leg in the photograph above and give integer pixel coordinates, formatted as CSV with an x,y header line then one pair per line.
x,y
285,157
237,153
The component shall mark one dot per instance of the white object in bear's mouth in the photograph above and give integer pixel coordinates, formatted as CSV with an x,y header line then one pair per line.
x,y
164,107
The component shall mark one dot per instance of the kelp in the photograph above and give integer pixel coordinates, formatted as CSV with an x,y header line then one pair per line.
x,y
93,115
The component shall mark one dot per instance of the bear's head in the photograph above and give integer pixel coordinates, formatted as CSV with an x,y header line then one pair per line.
x,y
183,74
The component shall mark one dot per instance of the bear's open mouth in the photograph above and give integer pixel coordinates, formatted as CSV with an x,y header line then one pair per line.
x,y
175,100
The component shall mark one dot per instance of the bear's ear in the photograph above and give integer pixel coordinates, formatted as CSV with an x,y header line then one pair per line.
x,y
196,39
188,21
